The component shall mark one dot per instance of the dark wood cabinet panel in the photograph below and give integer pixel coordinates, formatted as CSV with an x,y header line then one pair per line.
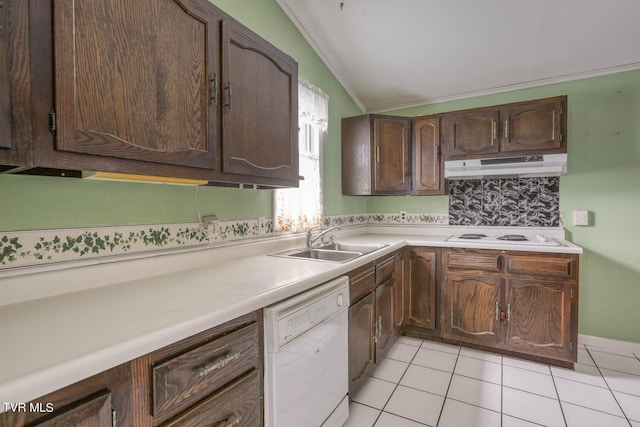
x,y
238,404
472,132
260,106
189,377
94,412
472,308
385,268
5,94
362,281
104,399
427,164
384,317
420,288
402,283
474,260
132,80
536,125
15,86
561,266
376,155
361,344
539,317
392,153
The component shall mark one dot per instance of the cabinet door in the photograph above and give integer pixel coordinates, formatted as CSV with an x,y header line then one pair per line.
x,y
427,176
361,345
5,94
539,318
473,304
104,400
260,106
137,80
537,125
471,133
420,292
385,322
392,153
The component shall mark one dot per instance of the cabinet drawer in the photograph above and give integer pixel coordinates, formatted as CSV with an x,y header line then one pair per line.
x,y
384,269
362,281
474,261
556,266
235,405
193,375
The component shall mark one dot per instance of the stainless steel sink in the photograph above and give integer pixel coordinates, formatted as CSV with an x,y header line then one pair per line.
x,y
352,247
331,252
325,255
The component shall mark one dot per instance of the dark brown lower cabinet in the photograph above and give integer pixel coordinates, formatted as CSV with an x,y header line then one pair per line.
x,y
420,287
384,317
361,344
472,312
103,400
539,317
372,319
518,303
214,378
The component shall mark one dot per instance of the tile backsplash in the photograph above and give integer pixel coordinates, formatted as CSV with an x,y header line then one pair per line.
x,y
528,202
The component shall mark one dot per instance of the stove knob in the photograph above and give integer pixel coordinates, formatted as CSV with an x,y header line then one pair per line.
x,y
340,300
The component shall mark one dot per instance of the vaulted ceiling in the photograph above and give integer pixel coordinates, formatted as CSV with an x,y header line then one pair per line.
x,y
391,54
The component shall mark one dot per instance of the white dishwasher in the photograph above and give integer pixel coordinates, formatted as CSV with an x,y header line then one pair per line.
x,y
306,358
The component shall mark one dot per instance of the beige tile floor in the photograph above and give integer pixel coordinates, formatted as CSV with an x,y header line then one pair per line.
x,y
424,383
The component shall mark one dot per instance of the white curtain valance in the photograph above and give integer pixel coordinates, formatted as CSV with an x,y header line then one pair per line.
x,y
313,105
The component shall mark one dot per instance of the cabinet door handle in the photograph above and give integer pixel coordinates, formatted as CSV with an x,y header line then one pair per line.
x,y
380,326
228,95
497,311
509,313
231,421
218,364
506,130
494,126
214,89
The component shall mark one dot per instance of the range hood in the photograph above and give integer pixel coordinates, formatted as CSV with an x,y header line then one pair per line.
x,y
515,167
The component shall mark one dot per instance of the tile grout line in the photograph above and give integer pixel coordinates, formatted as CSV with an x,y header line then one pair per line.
x,y
555,386
608,386
449,386
396,387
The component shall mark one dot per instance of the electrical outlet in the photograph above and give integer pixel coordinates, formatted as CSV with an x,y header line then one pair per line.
x,y
403,216
210,223
262,226
580,217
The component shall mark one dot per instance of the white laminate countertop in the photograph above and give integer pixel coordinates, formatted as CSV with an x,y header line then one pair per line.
x,y
50,341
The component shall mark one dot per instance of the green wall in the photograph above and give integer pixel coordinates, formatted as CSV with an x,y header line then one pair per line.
x,y
603,177
47,202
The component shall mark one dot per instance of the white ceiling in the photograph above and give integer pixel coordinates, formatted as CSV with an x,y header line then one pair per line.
x,y
391,54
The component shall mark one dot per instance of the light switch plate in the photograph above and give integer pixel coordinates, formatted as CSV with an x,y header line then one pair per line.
x,y
581,218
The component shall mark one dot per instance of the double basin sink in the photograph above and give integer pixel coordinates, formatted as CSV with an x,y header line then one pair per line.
x,y
332,252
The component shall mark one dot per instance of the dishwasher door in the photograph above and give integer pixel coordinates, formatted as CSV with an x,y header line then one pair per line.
x,y
306,368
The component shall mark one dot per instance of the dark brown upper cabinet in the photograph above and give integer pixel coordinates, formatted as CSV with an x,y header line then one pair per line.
x,y
5,96
15,88
376,155
470,133
260,106
141,87
427,158
522,128
536,125
133,80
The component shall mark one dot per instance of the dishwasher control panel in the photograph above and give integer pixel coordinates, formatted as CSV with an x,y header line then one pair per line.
x,y
290,318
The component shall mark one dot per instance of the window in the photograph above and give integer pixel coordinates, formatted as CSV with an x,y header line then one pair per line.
x,y
298,209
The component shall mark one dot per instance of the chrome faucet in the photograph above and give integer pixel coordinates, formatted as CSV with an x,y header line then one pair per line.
x,y
311,239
